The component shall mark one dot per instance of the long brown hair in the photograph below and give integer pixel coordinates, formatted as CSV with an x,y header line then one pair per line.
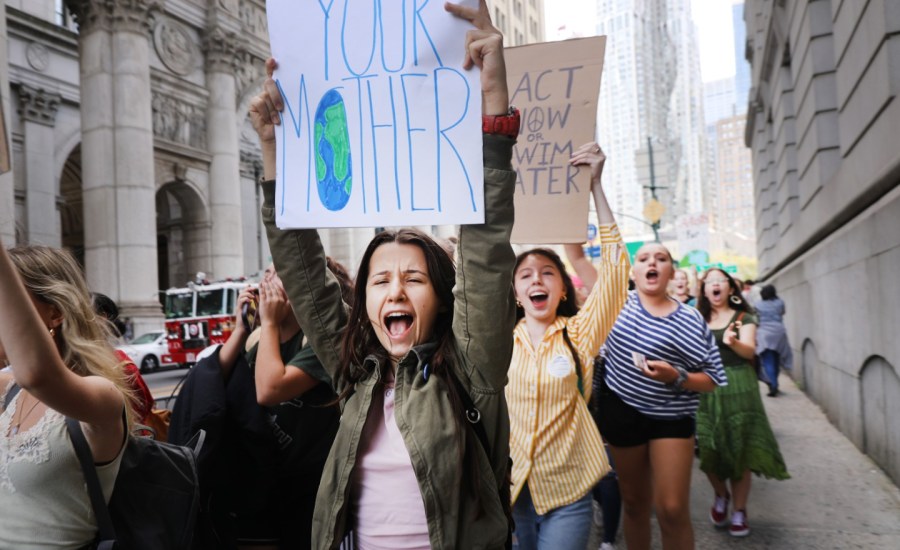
x,y
739,304
54,277
565,308
360,341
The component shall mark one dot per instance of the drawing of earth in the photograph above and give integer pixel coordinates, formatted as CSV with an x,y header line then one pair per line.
x,y
333,163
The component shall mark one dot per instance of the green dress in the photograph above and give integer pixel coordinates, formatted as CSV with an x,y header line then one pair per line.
x,y
733,431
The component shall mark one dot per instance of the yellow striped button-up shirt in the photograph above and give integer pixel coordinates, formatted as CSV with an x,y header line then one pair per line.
x,y
554,442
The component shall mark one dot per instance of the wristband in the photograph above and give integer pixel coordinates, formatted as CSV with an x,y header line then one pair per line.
x,y
504,125
678,383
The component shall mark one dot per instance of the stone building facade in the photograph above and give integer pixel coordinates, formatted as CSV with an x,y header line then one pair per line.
x,y
520,21
733,212
131,143
824,126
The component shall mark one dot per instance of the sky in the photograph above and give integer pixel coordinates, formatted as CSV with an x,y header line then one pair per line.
x,y
713,19
714,27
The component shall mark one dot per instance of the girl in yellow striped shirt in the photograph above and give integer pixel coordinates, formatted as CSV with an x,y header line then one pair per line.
x,y
557,453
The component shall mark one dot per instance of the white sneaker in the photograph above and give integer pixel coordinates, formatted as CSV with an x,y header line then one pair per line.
x,y
607,546
739,526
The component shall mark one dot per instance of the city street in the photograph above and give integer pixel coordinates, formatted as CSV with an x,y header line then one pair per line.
x,y
469,204
162,383
836,498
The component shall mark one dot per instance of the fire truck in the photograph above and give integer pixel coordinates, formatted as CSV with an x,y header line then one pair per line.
x,y
198,316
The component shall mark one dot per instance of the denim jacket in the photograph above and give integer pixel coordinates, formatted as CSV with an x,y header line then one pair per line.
x,y
483,320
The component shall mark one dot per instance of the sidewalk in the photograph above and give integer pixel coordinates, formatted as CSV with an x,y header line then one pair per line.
x,y
836,498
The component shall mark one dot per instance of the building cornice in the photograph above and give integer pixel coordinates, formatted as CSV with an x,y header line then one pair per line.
x,y
38,105
113,15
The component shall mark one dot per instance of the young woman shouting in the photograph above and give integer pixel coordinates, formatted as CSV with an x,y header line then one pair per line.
x,y
660,356
407,469
557,453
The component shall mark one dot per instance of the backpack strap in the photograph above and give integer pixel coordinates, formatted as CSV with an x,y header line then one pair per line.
x,y
107,539
10,395
577,359
86,460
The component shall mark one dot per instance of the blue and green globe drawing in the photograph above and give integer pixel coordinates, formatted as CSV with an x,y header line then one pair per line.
x,y
334,171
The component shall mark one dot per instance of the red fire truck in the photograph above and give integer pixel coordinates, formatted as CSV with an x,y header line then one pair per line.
x,y
198,316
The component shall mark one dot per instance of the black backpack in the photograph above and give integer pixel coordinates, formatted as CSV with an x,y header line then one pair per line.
x,y
156,497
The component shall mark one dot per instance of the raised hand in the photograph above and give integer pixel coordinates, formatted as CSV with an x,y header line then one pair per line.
x,y
245,296
590,154
730,336
273,302
484,49
265,108
265,114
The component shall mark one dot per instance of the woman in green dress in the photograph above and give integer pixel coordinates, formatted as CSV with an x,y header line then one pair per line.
x,y
733,432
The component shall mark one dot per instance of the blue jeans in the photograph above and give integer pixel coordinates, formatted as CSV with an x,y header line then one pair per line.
x,y
769,361
565,528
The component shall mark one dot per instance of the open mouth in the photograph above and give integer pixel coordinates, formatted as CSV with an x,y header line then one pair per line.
x,y
398,324
539,299
652,276
717,292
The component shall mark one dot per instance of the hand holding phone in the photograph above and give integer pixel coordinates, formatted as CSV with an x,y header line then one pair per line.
x,y
249,312
640,360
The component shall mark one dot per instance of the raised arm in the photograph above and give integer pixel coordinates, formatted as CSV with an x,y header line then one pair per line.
x,y
592,155
232,347
275,383
484,311
590,327
298,254
27,326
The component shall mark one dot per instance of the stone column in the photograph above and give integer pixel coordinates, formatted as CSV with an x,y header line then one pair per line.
x,y
37,109
227,245
7,193
117,155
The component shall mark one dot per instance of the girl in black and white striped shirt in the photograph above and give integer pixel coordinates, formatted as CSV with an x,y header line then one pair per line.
x,y
660,355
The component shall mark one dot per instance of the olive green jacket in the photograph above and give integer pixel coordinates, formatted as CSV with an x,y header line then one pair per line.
x,y
483,320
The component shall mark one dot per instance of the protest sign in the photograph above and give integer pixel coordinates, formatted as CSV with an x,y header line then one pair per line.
x,y
692,231
555,86
381,126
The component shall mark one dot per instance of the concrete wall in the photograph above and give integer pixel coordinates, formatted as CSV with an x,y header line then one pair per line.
x,y
824,126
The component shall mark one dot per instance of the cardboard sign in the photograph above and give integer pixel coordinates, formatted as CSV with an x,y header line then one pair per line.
x,y
382,126
556,86
692,231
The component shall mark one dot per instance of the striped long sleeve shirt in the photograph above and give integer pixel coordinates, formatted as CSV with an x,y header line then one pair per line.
x,y
554,442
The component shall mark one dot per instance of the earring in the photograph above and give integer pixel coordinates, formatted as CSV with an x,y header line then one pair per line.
x,y
52,332
564,298
735,299
518,303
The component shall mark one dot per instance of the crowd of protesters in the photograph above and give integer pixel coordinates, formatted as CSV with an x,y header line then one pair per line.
x,y
451,396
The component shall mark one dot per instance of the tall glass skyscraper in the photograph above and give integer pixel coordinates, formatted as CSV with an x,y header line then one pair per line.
x,y
651,89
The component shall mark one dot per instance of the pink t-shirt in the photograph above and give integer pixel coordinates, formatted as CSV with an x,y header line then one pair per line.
x,y
388,506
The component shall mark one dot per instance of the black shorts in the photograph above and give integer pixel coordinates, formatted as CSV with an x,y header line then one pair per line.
x,y
623,426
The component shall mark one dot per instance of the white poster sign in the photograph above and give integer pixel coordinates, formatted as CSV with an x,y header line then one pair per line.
x,y
381,126
693,233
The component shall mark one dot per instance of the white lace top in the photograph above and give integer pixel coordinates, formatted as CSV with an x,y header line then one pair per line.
x,y
44,501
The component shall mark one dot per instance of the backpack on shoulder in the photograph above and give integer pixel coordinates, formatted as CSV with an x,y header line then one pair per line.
x,y
156,497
